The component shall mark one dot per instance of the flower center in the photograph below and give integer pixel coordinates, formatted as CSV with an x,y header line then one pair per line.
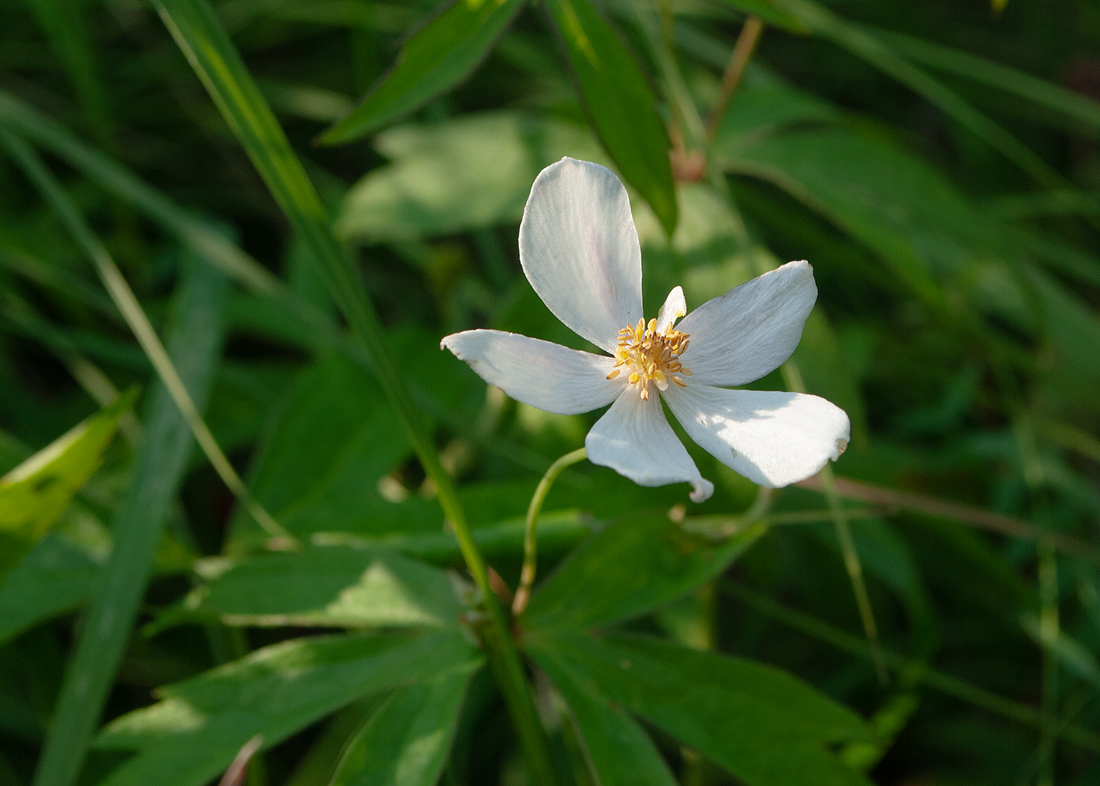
x,y
651,356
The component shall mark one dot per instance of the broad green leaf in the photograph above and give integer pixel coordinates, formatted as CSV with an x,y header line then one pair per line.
x,y
434,60
194,345
764,726
620,103
37,492
764,104
406,741
618,750
335,587
473,171
628,569
194,732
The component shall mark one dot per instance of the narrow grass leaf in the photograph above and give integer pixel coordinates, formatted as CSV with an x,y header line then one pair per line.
x,y
763,725
192,735
620,103
35,494
438,57
407,739
138,523
629,569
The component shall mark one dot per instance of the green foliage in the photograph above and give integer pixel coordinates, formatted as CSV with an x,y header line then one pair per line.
x,y
35,494
937,166
434,60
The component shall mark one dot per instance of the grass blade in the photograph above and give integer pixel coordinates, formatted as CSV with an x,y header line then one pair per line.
x,y
137,528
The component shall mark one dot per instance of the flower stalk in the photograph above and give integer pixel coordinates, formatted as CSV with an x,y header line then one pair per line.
x,y
530,539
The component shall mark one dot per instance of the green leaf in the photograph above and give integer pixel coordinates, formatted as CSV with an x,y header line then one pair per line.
x,y
764,726
336,587
618,750
473,171
628,569
194,346
55,576
889,199
193,734
406,741
35,494
434,60
620,103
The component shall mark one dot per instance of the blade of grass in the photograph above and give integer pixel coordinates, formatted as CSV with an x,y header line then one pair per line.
x,y
137,527
128,304
214,58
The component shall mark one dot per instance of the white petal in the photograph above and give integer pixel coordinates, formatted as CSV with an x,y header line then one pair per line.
x,y
675,307
579,249
540,373
772,438
749,331
635,439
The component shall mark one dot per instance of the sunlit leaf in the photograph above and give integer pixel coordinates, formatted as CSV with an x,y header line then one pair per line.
x,y
194,732
406,741
36,493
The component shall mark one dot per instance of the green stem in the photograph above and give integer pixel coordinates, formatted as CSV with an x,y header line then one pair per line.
x,y
530,541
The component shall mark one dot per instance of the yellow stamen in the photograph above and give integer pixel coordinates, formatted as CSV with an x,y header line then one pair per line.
x,y
648,356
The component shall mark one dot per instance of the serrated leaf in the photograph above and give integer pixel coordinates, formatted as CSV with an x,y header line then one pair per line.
x,y
336,587
763,725
406,741
628,569
435,59
620,103
195,731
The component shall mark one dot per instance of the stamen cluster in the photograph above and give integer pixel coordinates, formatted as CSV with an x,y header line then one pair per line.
x,y
649,356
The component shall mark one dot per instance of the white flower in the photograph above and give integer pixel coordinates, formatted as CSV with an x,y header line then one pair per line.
x,y
579,249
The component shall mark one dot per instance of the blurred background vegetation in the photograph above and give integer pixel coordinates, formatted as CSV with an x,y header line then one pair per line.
x,y
937,163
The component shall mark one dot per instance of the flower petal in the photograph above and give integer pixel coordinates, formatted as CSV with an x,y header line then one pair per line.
x,y
540,373
749,331
579,249
772,438
635,439
675,307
